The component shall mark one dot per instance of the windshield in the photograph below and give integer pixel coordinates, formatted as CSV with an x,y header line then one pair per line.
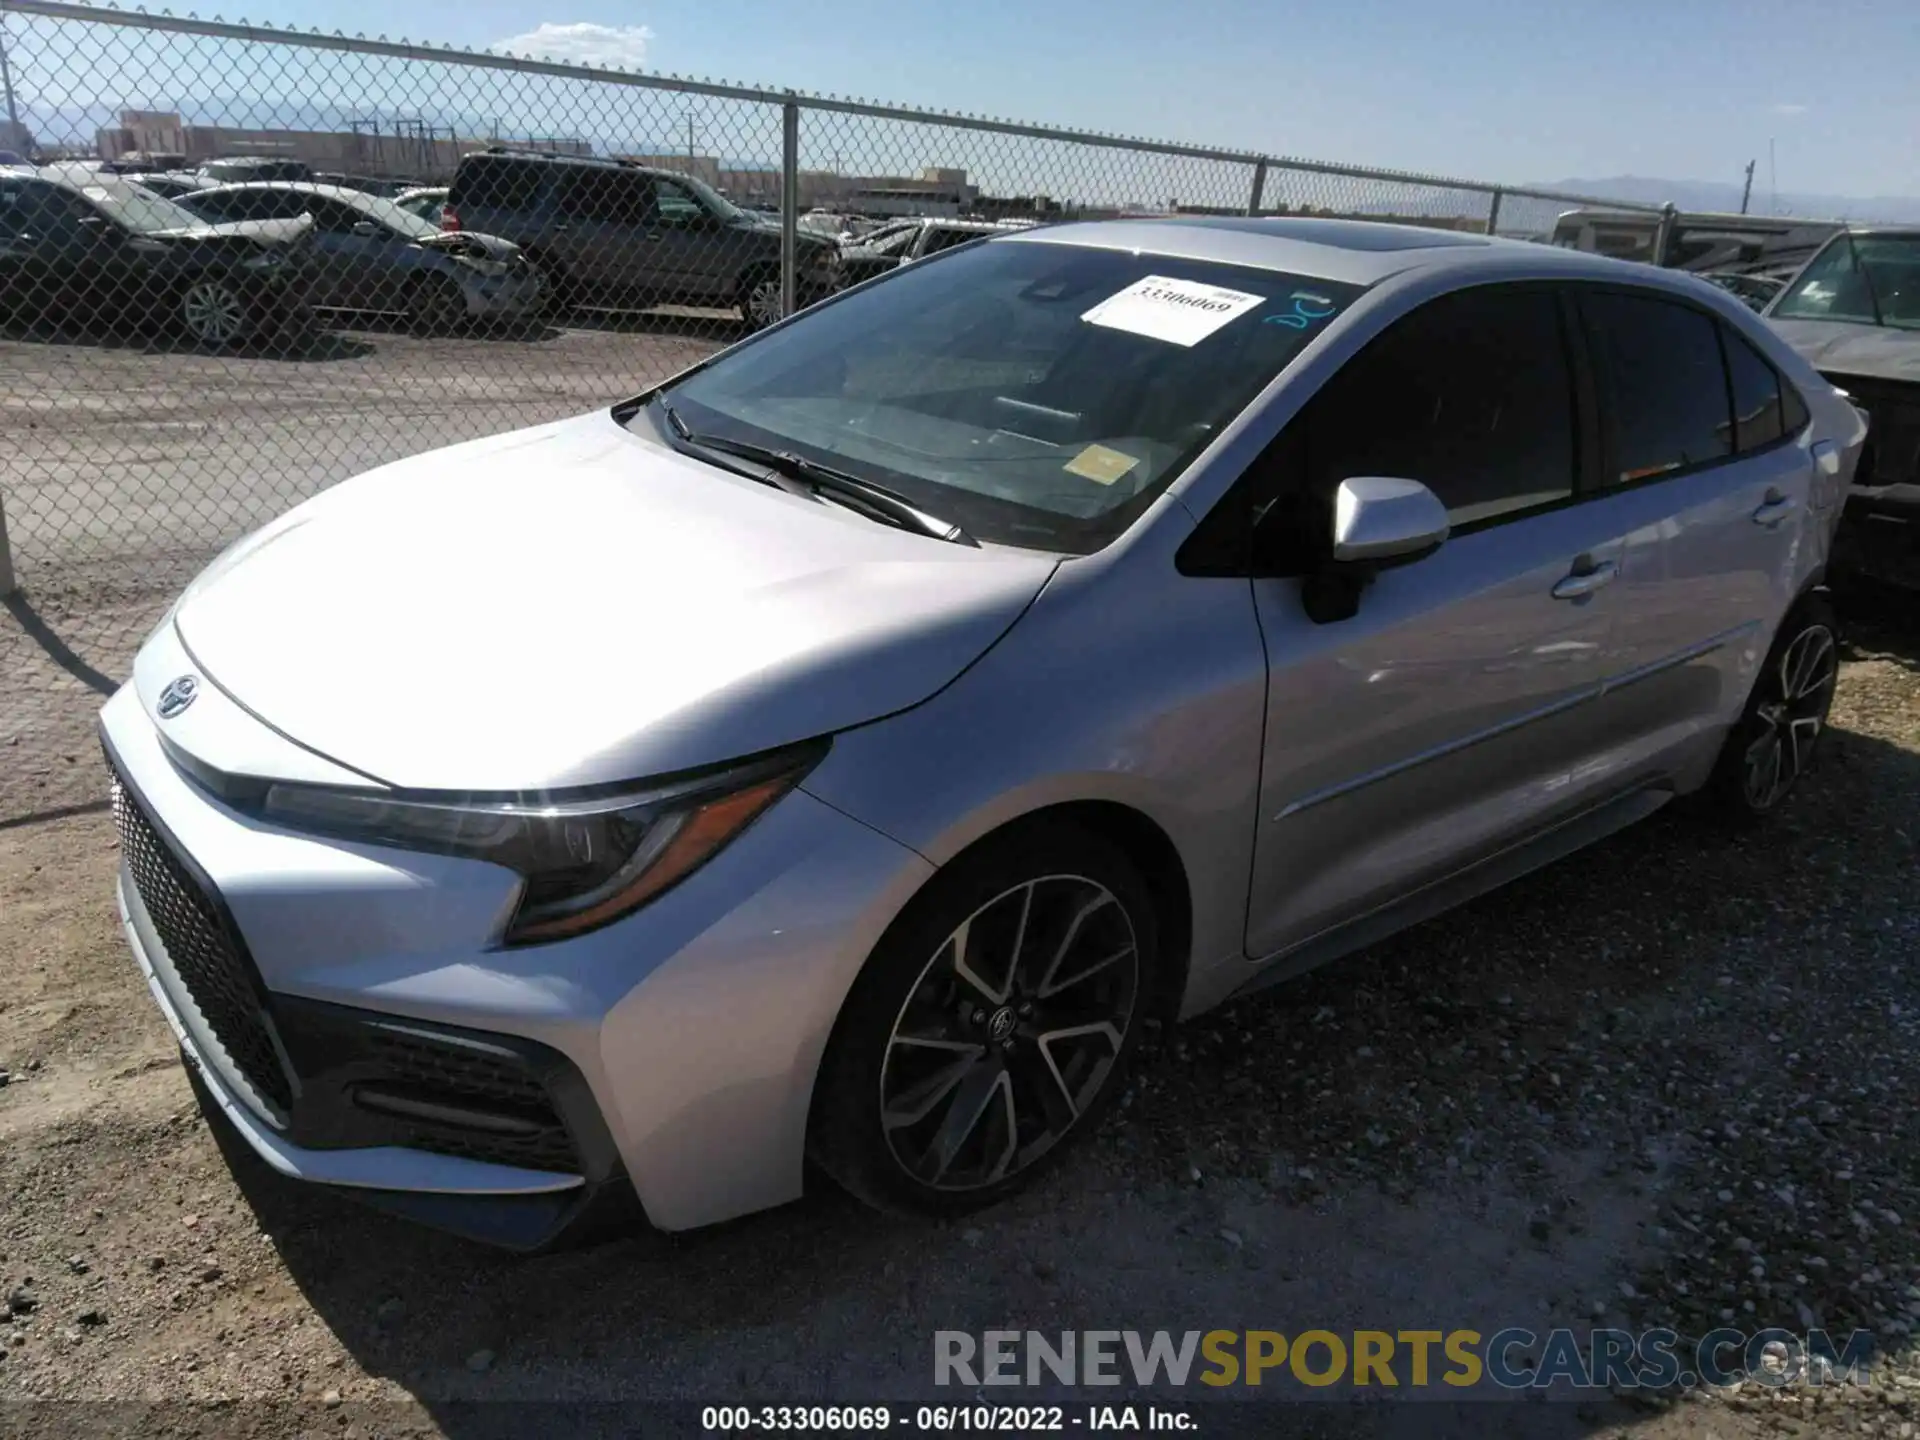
x,y
715,202
137,207
1870,279
1037,394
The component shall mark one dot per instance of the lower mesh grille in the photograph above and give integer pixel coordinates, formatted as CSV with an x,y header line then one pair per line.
x,y
205,954
496,1083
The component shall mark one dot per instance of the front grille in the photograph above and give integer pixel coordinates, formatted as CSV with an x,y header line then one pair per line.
x,y
207,956
483,1080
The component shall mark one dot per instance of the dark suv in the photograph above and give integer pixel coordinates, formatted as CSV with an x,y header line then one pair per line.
x,y
604,232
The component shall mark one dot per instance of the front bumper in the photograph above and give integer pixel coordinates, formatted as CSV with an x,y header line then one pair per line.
x,y
669,1056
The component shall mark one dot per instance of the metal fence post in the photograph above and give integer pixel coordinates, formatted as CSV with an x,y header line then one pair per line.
x,y
1493,214
1663,237
789,204
1259,187
7,583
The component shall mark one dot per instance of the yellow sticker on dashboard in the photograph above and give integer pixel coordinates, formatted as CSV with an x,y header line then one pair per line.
x,y
1101,465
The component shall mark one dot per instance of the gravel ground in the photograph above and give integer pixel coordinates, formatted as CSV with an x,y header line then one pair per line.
x,y
124,467
1665,1082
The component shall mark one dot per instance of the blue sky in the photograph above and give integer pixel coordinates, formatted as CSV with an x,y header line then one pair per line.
x,y
1498,89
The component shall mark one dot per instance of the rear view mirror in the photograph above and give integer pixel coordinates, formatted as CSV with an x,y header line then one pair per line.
x,y
1379,520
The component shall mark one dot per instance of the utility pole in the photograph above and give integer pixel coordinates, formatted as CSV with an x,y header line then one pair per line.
x,y
1773,177
1747,192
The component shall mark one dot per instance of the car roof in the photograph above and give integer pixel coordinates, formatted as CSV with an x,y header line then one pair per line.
x,y
1358,252
344,193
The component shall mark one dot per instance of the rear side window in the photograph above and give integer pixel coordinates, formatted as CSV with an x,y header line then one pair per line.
x,y
1758,416
614,197
1470,395
1661,382
498,184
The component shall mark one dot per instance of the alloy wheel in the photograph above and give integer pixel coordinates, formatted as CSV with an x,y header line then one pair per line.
x,y
1010,1033
1790,713
763,305
212,312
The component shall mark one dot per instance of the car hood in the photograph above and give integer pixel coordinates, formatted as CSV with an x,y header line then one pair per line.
x,y
264,232
1838,347
576,605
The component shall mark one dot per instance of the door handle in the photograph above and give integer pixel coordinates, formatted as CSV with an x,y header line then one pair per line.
x,y
1585,582
653,235
1775,508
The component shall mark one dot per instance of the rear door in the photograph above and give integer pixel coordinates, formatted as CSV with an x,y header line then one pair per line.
x,y
606,232
1455,713
365,263
1716,488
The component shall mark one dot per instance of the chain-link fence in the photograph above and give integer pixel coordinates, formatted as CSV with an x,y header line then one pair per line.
x,y
250,263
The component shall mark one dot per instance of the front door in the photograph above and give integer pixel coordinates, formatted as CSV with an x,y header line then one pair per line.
x,y
1446,719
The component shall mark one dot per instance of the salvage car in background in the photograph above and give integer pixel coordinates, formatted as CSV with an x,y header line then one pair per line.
x,y
881,723
608,234
371,255
1854,313
895,245
78,243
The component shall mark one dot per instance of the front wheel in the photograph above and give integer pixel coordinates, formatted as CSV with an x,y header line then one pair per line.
x,y
760,300
1779,731
991,1026
213,312
436,305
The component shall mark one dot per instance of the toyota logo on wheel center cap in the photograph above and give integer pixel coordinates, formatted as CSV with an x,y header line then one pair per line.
x,y
1001,1026
177,696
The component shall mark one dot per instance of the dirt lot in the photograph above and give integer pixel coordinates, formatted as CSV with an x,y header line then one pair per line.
x,y
1666,1082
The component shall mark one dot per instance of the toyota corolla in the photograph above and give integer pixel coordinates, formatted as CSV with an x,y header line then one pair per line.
x,y
840,752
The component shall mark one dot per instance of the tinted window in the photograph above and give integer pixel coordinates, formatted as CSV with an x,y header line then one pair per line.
x,y
615,197
498,184
1662,383
676,204
1470,395
1874,279
1757,416
1793,408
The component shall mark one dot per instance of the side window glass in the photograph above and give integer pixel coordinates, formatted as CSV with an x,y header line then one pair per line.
x,y
1758,419
1662,382
1793,409
333,218
1470,395
676,204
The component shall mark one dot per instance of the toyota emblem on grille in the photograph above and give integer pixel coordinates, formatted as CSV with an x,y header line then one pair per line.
x,y
177,696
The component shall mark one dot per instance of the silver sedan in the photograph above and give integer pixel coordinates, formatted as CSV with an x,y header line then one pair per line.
x,y
842,750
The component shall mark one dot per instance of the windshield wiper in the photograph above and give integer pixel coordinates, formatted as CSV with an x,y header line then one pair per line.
x,y
821,481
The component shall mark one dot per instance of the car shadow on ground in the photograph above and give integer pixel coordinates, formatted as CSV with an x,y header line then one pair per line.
x,y
1477,1123
352,324
307,345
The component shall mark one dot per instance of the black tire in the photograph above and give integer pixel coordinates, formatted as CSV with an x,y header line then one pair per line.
x,y
1776,739
558,294
968,1129
436,305
758,296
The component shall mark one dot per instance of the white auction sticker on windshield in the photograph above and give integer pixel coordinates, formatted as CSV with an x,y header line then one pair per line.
x,y
1180,311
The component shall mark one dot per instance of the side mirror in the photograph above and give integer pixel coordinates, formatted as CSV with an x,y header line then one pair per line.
x,y
365,228
1379,520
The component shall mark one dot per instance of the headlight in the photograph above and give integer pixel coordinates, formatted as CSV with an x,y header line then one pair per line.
x,y
587,860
